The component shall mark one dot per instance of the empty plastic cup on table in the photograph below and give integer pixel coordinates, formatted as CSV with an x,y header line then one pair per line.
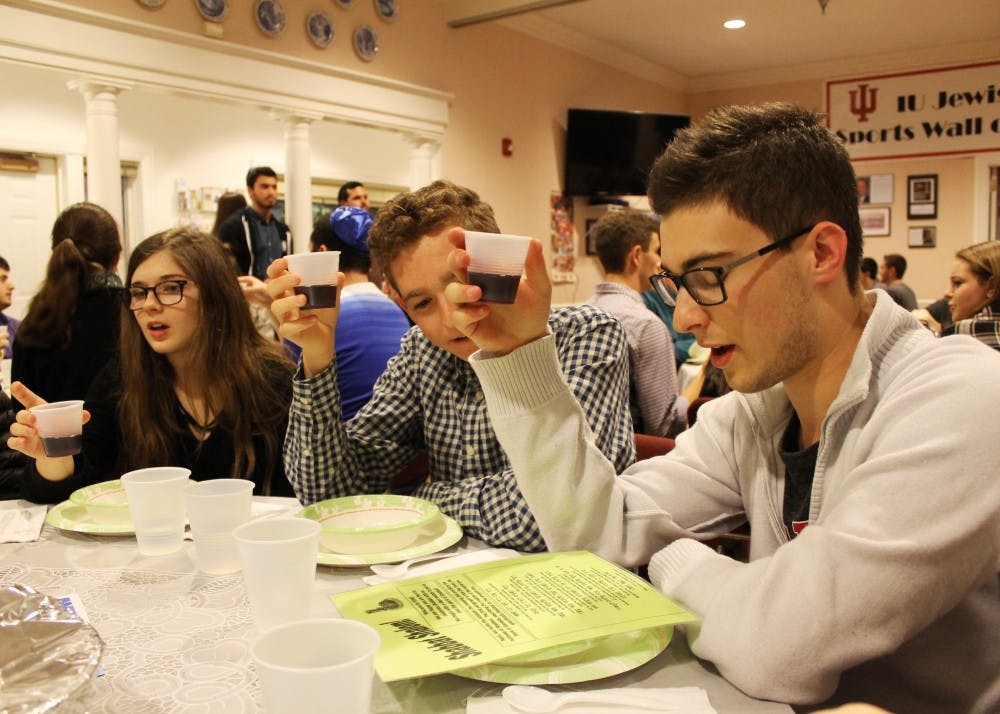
x,y
496,263
317,665
60,426
214,509
319,277
279,568
156,501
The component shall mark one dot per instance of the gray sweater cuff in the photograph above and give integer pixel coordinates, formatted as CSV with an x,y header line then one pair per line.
x,y
522,380
668,566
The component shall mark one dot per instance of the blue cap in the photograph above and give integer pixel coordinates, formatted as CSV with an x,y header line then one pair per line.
x,y
351,224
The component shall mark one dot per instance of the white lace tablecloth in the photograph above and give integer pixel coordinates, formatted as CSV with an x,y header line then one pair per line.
x,y
177,640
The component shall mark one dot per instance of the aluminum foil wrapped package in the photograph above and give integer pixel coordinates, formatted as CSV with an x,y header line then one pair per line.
x,y
48,655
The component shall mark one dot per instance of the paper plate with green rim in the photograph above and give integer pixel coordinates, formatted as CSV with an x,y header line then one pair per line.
x,y
576,662
68,516
373,523
446,533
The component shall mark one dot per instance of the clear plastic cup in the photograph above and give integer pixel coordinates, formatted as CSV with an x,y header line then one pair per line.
x,y
497,261
279,568
60,426
319,277
214,508
317,665
156,502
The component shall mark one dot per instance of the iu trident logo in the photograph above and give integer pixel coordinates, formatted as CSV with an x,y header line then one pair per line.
x,y
863,101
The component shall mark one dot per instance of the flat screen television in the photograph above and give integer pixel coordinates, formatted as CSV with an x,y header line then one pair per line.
x,y
609,153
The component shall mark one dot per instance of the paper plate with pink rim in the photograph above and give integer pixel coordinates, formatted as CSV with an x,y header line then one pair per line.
x,y
577,661
104,502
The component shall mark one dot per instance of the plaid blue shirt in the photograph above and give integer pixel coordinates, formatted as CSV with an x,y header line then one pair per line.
x,y
429,399
984,326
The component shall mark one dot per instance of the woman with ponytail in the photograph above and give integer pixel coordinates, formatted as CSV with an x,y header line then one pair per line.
x,y
71,329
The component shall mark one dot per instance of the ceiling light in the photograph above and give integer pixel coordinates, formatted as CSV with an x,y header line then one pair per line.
x,y
734,24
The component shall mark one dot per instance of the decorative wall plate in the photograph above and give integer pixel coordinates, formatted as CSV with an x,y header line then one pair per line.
x,y
213,10
270,17
387,9
365,42
319,28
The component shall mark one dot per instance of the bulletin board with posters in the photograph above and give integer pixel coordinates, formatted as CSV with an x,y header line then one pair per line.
x,y
563,238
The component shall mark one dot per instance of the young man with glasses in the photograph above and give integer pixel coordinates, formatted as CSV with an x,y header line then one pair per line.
x,y
875,537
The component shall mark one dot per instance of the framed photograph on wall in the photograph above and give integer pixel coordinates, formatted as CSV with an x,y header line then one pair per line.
x,y
921,196
875,221
875,189
922,237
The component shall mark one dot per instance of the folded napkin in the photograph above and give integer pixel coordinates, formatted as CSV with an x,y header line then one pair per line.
x,y
678,700
21,521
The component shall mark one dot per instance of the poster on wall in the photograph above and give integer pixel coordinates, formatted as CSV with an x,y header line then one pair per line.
x,y
563,238
932,112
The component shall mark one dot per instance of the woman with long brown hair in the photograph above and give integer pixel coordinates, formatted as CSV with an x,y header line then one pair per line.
x,y
71,329
974,293
196,385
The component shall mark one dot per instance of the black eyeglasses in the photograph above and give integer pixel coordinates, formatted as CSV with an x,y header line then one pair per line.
x,y
705,285
167,292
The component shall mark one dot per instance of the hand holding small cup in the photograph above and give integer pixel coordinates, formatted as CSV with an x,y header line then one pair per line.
x,y
311,329
499,327
28,434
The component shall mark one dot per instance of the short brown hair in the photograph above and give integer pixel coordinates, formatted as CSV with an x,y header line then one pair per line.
x,y
410,216
897,263
773,165
616,232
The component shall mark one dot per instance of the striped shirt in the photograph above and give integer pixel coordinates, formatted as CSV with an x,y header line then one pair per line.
x,y
429,399
657,408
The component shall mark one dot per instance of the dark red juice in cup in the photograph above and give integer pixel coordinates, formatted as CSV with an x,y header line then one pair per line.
x,y
496,288
62,445
318,296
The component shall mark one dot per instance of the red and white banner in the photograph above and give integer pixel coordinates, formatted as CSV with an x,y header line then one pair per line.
x,y
935,112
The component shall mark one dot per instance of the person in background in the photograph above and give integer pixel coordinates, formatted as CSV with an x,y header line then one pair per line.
x,y
682,340
628,248
892,270
974,295
229,203
8,323
254,236
869,274
859,447
353,193
370,325
253,288
71,328
428,398
196,385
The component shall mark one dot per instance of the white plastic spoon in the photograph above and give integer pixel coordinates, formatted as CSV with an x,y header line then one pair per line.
x,y
400,570
541,701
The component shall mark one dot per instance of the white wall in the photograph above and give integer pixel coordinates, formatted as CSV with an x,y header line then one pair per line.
x,y
212,144
199,142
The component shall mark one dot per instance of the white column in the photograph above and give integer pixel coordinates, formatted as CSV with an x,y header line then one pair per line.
x,y
104,176
422,165
298,179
